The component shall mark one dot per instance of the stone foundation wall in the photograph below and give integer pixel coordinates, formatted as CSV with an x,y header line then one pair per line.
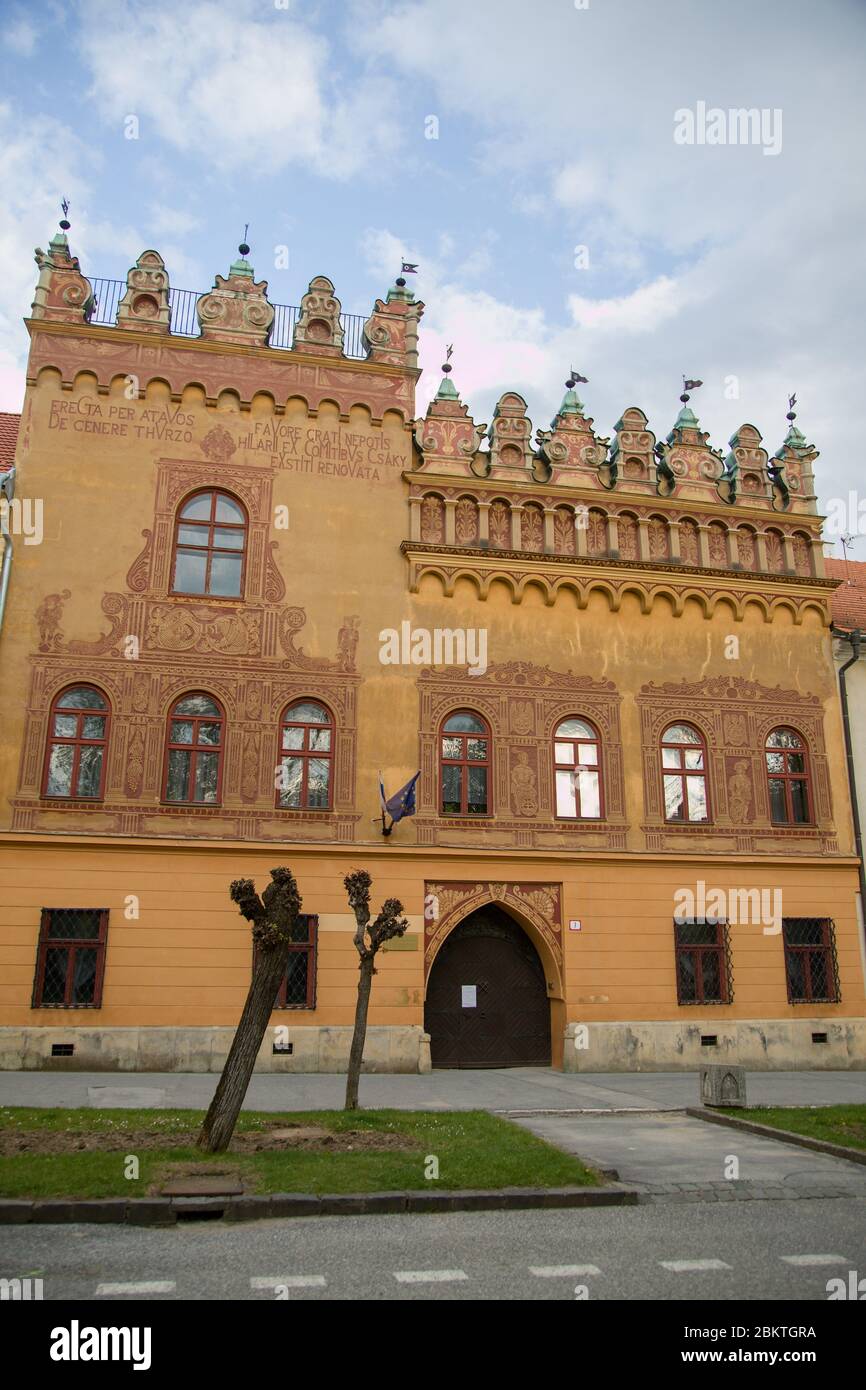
x,y
404,1049
757,1045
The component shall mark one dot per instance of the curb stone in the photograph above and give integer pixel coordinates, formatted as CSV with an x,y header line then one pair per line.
x,y
785,1136
167,1211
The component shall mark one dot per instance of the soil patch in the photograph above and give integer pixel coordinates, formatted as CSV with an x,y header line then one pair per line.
x,y
270,1138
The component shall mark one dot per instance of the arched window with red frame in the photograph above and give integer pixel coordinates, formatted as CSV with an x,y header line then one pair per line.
x,y
210,545
194,748
306,759
464,763
577,770
788,781
77,748
684,774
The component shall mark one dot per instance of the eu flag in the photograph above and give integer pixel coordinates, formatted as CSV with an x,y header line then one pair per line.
x,y
402,803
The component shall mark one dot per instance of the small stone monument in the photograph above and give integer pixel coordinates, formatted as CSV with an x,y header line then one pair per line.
x,y
723,1087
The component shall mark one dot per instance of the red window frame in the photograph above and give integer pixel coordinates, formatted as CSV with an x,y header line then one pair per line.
x,y
72,944
306,753
804,951
576,742
464,762
309,947
787,776
719,947
78,741
194,748
682,772
210,548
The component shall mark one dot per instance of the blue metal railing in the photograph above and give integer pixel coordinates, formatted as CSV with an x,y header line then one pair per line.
x,y
184,324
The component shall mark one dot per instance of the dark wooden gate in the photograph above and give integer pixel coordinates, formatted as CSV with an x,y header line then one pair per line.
x,y
488,959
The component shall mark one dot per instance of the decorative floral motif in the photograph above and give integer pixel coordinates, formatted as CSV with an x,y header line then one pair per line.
x,y
466,521
532,528
432,520
500,525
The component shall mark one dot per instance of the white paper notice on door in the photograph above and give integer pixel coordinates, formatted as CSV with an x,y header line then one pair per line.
x,y
468,998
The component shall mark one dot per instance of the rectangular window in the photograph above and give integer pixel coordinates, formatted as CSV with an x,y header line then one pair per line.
x,y
702,953
70,960
298,986
811,969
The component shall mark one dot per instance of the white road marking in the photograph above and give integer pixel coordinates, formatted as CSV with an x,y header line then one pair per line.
x,y
688,1266
290,1281
814,1259
148,1286
562,1271
429,1276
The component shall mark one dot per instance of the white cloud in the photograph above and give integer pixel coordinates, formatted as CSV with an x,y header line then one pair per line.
x,y
713,261
251,89
20,37
642,311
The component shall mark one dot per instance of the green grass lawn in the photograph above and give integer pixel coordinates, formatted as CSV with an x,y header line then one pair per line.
x,y
838,1124
474,1149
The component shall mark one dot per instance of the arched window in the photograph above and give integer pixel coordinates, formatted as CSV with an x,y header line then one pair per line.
x,y
577,770
684,773
210,546
306,757
193,761
465,765
788,778
77,744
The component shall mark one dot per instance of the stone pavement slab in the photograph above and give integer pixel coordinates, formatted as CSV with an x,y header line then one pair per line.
x,y
674,1149
517,1088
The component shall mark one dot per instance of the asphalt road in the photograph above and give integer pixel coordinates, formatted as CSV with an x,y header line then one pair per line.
x,y
775,1250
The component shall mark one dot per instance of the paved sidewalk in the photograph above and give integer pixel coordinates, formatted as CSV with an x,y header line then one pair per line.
x,y
519,1088
666,1154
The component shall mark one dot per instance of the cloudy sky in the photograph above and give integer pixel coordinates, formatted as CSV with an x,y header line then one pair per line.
x,y
559,217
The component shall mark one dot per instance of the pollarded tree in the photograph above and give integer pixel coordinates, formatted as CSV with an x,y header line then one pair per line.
x,y
368,938
274,916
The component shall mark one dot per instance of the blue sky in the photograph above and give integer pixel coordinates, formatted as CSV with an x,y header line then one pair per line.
x,y
555,131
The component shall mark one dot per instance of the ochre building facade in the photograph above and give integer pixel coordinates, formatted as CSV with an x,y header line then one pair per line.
x,y
262,582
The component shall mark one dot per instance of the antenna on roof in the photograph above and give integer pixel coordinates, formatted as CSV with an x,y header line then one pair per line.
x,y
847,540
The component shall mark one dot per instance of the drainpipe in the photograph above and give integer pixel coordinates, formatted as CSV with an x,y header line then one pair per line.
x,y
854,638
7,490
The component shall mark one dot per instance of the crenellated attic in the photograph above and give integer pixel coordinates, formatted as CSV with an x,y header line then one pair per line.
x,y
565,495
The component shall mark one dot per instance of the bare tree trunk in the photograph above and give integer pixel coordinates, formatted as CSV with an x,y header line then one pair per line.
x,y
356,1055
221,1118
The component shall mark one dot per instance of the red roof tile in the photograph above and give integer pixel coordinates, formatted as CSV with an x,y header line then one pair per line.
x,y
8,435
849,600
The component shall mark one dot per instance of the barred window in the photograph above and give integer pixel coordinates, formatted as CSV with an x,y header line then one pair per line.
x,y
70,959
298,986
811,966
703,963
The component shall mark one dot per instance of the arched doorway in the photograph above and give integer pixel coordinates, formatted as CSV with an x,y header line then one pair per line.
x,y
487,1002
